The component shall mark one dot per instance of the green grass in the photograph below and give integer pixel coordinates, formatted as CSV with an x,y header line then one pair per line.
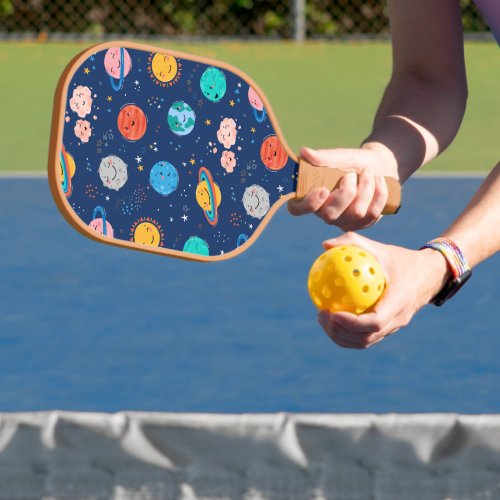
x,y
323,94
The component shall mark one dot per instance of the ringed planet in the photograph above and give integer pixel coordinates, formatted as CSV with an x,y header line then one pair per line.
x,y
117,63
208,196
100,224
68,168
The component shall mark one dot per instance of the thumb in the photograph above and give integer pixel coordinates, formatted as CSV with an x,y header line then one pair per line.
x,y
348,159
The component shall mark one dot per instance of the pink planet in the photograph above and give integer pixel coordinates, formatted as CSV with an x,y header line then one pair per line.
x,y
97,225
255,100
113,62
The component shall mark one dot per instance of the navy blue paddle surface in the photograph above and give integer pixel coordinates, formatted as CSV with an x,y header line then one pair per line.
x,y
172,153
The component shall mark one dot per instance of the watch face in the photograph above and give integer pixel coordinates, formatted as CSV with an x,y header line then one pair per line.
x,y
451,288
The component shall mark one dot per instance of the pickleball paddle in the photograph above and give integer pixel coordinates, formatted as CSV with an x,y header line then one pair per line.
x,y
171,153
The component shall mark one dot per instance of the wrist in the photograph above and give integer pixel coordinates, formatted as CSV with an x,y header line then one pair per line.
x,y
388,165
437,274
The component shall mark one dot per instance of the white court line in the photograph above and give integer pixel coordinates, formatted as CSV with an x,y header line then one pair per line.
x,y
454,174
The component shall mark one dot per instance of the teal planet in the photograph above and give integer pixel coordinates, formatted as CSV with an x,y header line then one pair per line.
x,y
196,245
213,84
164,178
181,118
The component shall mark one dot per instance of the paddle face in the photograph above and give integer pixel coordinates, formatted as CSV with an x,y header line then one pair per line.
x,y
165,152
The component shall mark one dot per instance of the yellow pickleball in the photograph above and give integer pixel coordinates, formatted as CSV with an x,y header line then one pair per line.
x,y
346,278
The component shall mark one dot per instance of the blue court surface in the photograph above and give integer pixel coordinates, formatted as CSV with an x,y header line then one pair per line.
x,y
91,327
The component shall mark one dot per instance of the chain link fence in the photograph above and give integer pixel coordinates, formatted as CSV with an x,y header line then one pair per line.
x,y
284,19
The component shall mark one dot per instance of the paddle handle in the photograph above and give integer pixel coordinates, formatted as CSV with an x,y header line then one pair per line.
x,y
311,177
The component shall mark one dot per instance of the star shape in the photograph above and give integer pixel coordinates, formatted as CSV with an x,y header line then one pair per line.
x,y
109,98
192,161
86,71
252,130
140,168
208,122
231,103
138,159
280,188
184,217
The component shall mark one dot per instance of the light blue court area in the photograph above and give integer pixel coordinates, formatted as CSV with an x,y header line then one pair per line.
x,y
86,326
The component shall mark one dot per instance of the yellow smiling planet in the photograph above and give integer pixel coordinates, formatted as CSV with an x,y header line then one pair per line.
x,y
146,233
164,67
204,195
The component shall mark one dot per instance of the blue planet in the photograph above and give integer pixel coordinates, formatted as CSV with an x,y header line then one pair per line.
x,y
164,178
213,84
181,118
196,245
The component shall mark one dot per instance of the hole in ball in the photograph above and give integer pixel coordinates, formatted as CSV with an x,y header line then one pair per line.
x,y
366,289
356,273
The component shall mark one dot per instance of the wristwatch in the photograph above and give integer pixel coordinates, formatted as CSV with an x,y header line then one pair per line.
x,y
460,270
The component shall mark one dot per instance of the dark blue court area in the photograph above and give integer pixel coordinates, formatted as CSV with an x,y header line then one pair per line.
x,y
86,326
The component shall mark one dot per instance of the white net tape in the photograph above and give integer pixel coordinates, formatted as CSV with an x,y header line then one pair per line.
x,y
155,456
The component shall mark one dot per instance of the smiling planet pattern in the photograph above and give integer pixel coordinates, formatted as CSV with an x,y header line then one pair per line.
x,y
178,154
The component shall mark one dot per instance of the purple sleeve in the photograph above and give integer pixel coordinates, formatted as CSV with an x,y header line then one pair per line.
x,y
490,9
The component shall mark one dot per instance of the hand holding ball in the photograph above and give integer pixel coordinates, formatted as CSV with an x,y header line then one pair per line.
x,y
346,278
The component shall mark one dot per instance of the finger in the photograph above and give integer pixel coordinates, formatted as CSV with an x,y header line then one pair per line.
x,y
364,196
362,324
359,340
340,199
356,215
380,197
311,203
338,334
348,238
352,159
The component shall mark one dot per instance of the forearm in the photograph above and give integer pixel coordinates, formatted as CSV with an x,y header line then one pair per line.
x,y
424,103
477,230
416,121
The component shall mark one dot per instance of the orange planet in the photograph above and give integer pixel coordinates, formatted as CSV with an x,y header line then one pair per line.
x,y
132,122
273,154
